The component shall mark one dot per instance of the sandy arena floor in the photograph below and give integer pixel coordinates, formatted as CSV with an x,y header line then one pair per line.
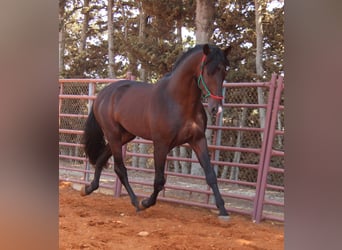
x,y
101,221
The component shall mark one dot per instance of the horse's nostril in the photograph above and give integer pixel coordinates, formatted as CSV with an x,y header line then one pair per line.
x,y
214,110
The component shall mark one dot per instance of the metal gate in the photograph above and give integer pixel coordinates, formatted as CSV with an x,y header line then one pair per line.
x,y
245,142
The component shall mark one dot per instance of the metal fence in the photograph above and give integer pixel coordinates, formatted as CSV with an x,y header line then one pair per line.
x,y
245,142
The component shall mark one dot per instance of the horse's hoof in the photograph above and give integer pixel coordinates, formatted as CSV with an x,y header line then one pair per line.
x,y
141,205
138,207
83,191
224,217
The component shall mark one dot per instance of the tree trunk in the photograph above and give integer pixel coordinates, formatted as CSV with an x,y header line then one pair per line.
x,y
142,27
61,51
142,23
61,37
280,142
81,69
259,38
111,61
176,165
135,148
85,25
234,174
183,152
258,59
204,20
262,111
179,32
124,18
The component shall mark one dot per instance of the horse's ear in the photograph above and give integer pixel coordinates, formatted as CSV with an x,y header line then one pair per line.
x,y
227,50
206,49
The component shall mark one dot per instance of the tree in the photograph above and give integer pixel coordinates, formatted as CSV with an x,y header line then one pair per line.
x,y
204,19
142,29
61,35
259,10
110,25
232,23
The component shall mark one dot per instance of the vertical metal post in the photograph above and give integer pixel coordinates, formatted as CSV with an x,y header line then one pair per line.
x,y
260,185
268,152
60,103
59,113
91,93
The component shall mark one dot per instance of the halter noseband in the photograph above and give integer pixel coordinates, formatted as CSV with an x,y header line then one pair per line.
x,y
201,80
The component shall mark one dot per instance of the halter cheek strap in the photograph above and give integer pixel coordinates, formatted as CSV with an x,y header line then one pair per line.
x,y
201,81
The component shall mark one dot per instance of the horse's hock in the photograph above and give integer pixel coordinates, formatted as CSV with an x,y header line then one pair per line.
x,y
247,157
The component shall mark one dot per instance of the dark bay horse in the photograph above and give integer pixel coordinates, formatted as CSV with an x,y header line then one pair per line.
x,y
169,113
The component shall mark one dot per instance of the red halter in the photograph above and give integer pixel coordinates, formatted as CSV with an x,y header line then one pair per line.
x,y
201,80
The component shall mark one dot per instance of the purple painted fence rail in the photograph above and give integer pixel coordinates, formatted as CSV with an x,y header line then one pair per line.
x,y
258,197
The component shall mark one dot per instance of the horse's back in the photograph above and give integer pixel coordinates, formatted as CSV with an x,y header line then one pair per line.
x,y
121,87
114,92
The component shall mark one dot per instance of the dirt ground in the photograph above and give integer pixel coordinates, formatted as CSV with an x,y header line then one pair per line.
x,y
100,221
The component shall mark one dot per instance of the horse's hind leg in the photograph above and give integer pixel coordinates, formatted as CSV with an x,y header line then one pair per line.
x,y
160,153
100,163
119,166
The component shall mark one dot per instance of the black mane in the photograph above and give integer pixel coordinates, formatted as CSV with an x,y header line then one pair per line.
x,y
185,55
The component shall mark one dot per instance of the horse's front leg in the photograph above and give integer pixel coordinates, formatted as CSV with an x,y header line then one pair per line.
x,y
160,153
200,148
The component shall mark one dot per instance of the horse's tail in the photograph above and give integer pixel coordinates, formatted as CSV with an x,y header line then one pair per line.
x,y
94,142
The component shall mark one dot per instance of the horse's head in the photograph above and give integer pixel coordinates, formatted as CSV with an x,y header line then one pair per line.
x,y
213,69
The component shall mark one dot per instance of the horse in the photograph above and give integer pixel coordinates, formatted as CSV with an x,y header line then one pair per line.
x,y
170,113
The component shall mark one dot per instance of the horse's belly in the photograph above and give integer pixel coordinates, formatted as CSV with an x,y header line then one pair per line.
x,y
143,133
132,113
137,125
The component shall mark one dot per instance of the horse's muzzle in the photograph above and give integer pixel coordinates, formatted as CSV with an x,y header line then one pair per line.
x,y
216,110
214,106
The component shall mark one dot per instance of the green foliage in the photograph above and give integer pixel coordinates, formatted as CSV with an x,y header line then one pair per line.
x,y
159,46
235,25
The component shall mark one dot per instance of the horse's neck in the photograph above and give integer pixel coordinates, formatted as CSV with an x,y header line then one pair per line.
x,y
182,85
